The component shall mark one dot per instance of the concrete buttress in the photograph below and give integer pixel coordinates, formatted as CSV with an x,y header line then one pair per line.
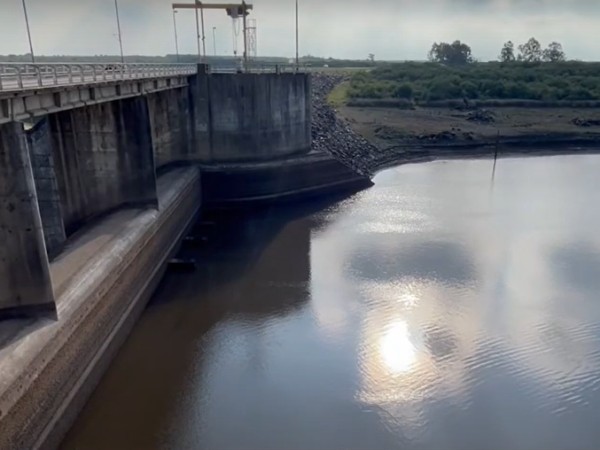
x,y
24,271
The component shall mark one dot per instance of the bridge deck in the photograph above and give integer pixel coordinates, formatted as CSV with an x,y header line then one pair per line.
x,y
20,77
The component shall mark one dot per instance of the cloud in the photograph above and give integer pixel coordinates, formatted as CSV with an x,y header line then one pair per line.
x,y
392,29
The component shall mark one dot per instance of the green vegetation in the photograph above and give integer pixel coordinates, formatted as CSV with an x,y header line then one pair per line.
x,y
339,95
516,80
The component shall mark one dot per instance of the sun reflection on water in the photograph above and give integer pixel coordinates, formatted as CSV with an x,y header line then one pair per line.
x,y
396,349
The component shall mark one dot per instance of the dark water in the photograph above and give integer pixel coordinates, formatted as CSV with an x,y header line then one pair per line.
x,y
433,311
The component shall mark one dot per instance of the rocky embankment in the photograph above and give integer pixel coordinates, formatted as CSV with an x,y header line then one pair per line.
x,y
334,135
437,134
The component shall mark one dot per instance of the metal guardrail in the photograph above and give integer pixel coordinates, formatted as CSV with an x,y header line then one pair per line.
x,y
253,67
19,76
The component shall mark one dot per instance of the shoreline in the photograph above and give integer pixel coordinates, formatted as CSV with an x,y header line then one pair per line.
x,y
511,146
371,139
476,152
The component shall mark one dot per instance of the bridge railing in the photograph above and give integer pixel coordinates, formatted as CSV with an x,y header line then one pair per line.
x,y
253,67
19,76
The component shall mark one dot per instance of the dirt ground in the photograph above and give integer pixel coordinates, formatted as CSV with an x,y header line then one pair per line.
x,y
388,127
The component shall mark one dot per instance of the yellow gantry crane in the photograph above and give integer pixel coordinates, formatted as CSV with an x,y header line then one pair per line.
x,y
233,10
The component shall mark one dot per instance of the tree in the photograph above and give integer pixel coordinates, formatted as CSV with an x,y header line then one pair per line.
x,y
403,91
531,51
454,54
507,54
372,57
554,52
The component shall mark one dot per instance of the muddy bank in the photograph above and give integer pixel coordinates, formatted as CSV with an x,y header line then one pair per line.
x,y
370,139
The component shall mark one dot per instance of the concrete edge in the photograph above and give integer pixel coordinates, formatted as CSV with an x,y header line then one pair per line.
x,y
62,420
25,405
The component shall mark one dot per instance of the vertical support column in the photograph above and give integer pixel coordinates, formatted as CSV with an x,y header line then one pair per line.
x,y
46,186
171,125
136,164
25,285
200,112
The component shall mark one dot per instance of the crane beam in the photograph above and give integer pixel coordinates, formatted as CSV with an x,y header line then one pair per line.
x,y
200,5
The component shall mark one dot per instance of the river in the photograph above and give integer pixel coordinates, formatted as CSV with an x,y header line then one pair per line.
x,y
439,309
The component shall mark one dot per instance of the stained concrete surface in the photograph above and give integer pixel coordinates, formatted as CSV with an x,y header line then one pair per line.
x,y
102,281
46,185
24,276
103,158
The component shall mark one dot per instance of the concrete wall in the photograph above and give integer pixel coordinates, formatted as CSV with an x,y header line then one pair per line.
x,y
238,185
42,161
199,101
24,275
259,116
103,154
104,159
171,126
231,118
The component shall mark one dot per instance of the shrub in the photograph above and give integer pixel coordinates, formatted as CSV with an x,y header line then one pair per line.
x,y
403,91
430,82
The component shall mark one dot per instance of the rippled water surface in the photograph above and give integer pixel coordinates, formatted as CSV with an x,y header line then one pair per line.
x,y
436,310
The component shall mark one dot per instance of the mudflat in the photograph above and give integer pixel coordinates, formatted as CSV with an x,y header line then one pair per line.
x,y
473,127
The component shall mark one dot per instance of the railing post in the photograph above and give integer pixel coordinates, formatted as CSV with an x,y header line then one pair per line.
x,y
39,75
54,76
19,77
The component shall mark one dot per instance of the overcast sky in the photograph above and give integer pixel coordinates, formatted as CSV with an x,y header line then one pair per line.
x,y
391,29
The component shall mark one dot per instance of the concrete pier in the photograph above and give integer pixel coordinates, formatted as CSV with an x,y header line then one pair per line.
x,y
102,282
237,185
24,275
104,159
46,185
98,193
259,117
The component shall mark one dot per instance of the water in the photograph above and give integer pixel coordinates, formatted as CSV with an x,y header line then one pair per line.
x,y
435,310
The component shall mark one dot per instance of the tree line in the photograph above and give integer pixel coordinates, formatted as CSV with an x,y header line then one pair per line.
x,y
424,82
458,53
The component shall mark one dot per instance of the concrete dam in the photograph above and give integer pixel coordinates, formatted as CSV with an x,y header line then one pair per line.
x,y
100,180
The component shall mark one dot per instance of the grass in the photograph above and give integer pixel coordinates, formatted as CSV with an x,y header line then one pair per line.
x,y
339,96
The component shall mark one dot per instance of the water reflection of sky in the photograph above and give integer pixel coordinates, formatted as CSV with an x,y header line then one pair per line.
x,y
473,304
435,310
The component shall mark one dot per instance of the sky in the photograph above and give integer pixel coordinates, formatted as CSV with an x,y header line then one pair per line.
x,y
390,29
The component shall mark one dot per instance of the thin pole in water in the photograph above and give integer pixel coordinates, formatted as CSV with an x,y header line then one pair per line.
x,y
496,154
